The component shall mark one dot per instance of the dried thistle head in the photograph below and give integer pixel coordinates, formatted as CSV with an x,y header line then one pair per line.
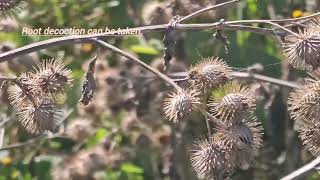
x,y
245,133
303,51
52,76
180,104
36,118
230,100
310,136
209,160
210,72
241,138
303,104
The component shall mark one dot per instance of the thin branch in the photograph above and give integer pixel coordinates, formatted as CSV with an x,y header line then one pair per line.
x,y
78,39
138,61
185,18
33,141
6,78
296,19
265,22
183,76
73,39
259,77
252,29
304,169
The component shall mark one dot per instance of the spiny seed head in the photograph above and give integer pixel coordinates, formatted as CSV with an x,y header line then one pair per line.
x,y
242,138
230,100
208,160
210,72
310,136
6,5
245,131
52,76
303,52
36,118
304,103
180,104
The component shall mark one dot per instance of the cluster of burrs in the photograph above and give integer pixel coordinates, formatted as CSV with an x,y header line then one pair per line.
x,y
303,51
34,95
304,108
236,135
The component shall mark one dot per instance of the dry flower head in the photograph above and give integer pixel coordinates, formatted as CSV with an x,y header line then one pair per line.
x,y
209,73
232,99
180,103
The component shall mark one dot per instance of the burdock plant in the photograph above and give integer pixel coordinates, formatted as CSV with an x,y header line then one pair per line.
x,y
304,107
33,95
180,103
303,51
209,73
230,100
237,134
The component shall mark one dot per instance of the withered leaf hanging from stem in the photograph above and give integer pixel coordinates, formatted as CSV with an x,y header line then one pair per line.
x,y
169,42
223,38
89,84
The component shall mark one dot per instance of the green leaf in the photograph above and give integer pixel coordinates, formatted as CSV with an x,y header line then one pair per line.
x,y
140,49
55,144
97,138
131,168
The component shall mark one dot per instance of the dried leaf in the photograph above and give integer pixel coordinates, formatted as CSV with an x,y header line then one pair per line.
x,y
89,84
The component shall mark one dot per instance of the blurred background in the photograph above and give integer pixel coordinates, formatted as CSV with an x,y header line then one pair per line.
x,y
126,112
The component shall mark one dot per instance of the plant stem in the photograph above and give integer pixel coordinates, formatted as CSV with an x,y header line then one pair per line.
x,y
302,170
259,77
183,76
77,39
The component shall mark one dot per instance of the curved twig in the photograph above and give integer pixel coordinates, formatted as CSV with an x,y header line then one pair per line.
x,y
304,169
77,39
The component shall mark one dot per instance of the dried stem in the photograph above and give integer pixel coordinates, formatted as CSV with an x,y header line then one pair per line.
x,y
6,78
296,19
304,169
259,77
183,76
227,25
33,141
265,22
